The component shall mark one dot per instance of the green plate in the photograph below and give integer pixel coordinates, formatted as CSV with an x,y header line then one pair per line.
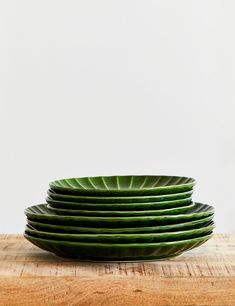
x,y
124,185
117,252
110,199
131,230
42,213
113,213
119,206
123,238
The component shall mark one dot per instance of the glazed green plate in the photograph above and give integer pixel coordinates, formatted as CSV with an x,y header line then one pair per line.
x,y
113,213
123,199
123,238
131,230
117,252
42,213
119,206
124,185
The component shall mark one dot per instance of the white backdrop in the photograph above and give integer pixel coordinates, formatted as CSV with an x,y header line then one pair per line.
x,y
116,87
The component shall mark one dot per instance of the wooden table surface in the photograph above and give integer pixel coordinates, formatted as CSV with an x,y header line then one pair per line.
x,y
203,276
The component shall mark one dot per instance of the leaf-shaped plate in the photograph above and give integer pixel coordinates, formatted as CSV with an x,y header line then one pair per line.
x,y
119,206
42,213
117,252
129,230
123,238
121,199
124,185
116,213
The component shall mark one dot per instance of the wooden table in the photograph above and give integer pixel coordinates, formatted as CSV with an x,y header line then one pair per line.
x,y
30,276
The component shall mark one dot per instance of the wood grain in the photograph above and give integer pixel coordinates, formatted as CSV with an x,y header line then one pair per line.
x,y
204,276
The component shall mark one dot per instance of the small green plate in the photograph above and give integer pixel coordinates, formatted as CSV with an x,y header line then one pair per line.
x,y
117,252
123,238
131,230
113,213
122,199
42,213
124,185
119,206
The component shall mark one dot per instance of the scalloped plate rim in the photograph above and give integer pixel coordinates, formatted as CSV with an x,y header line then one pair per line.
x,y
121,212
127,245
209,227
51,216
147,229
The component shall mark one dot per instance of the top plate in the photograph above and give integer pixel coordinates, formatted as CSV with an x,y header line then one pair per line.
x,y
123,185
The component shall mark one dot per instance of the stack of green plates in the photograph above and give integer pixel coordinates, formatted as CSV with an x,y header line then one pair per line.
x,y
120,218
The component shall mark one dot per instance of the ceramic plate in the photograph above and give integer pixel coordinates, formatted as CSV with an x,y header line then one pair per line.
x,y
124,185
129,230
42,213
117,252
122,238
119,206
111,199
113,213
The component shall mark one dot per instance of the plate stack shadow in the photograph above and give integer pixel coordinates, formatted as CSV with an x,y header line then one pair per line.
x,y
120,218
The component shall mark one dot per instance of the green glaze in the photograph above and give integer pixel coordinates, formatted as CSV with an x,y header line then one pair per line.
x,y
122,238
93,230
117,252
42,213
113,213
121,199
123,185
119,206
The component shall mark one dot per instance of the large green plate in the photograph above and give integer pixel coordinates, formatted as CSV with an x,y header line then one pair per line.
x,y
42,213
131,230
119,206
116,213
124,185
117,252
121,199
123,238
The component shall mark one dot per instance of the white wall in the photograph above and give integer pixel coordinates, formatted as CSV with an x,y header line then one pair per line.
x,y
116,87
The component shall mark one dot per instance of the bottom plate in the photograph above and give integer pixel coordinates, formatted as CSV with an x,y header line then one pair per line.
x,y
117,252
